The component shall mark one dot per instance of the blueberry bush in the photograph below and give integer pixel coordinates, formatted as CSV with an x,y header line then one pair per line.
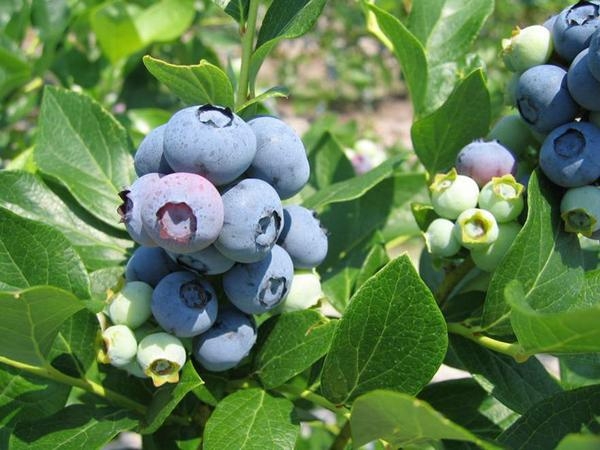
x,y
177,261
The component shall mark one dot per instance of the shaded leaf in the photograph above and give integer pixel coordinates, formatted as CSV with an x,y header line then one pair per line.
x,y
391,336
248,110
579,370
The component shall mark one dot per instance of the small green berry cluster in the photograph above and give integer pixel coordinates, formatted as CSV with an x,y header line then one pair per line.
x,y
482,221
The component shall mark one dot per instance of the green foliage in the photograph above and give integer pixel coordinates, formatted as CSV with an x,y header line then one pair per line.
x,y
78,95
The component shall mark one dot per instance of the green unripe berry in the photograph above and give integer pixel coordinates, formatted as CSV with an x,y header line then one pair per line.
x,y
580,210
305,292
514,134
503,197
131,305
119,346
526,48
476,228
488,258
452,193
440,239
161,356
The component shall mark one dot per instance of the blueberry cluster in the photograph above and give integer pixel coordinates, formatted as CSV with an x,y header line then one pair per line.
x,y
478,203
556,89
217,245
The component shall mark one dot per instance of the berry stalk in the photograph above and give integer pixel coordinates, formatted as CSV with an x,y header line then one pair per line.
x,y
248,32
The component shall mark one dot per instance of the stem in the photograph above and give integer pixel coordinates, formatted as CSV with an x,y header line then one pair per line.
x,y
310,396
248,33
513,349
343,437
452,279
49,372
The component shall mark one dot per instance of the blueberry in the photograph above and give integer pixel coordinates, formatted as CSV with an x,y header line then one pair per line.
x,y
573,28
119,346
303,237
543,98
149,156
476,228
161,356
482,160
253,219
131,208
503,197
210,141
258,287
280,158
228,341
488,258
580,210
512,132
208,261
594,55
150,265
184,304
527,47
569,155
182,212
440,239
452,193
131,305
582,84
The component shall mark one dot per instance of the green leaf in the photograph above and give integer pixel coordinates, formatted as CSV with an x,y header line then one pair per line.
x,y
124,28
464,117
248,110
409,52
32,253
402,420
238,9
92,426
251,419
167,397
285,19
391,336
14,71
579,370
518,385
352,188
30,320
26,195
376,259
291,343
544,425
467,404
26,397
401,224
579,442
86,149
194,85
545,260
329,163
574,331
50,18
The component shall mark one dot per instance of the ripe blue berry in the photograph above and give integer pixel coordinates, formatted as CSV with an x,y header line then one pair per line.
x,y
253,219
452,193
150,265
210,141
258,287
582,85
594,55
228,341
131,208
184,305
302,237
280,158
481,160
573,28
161,356
208,261
149,156
543,98
569,155
182,212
